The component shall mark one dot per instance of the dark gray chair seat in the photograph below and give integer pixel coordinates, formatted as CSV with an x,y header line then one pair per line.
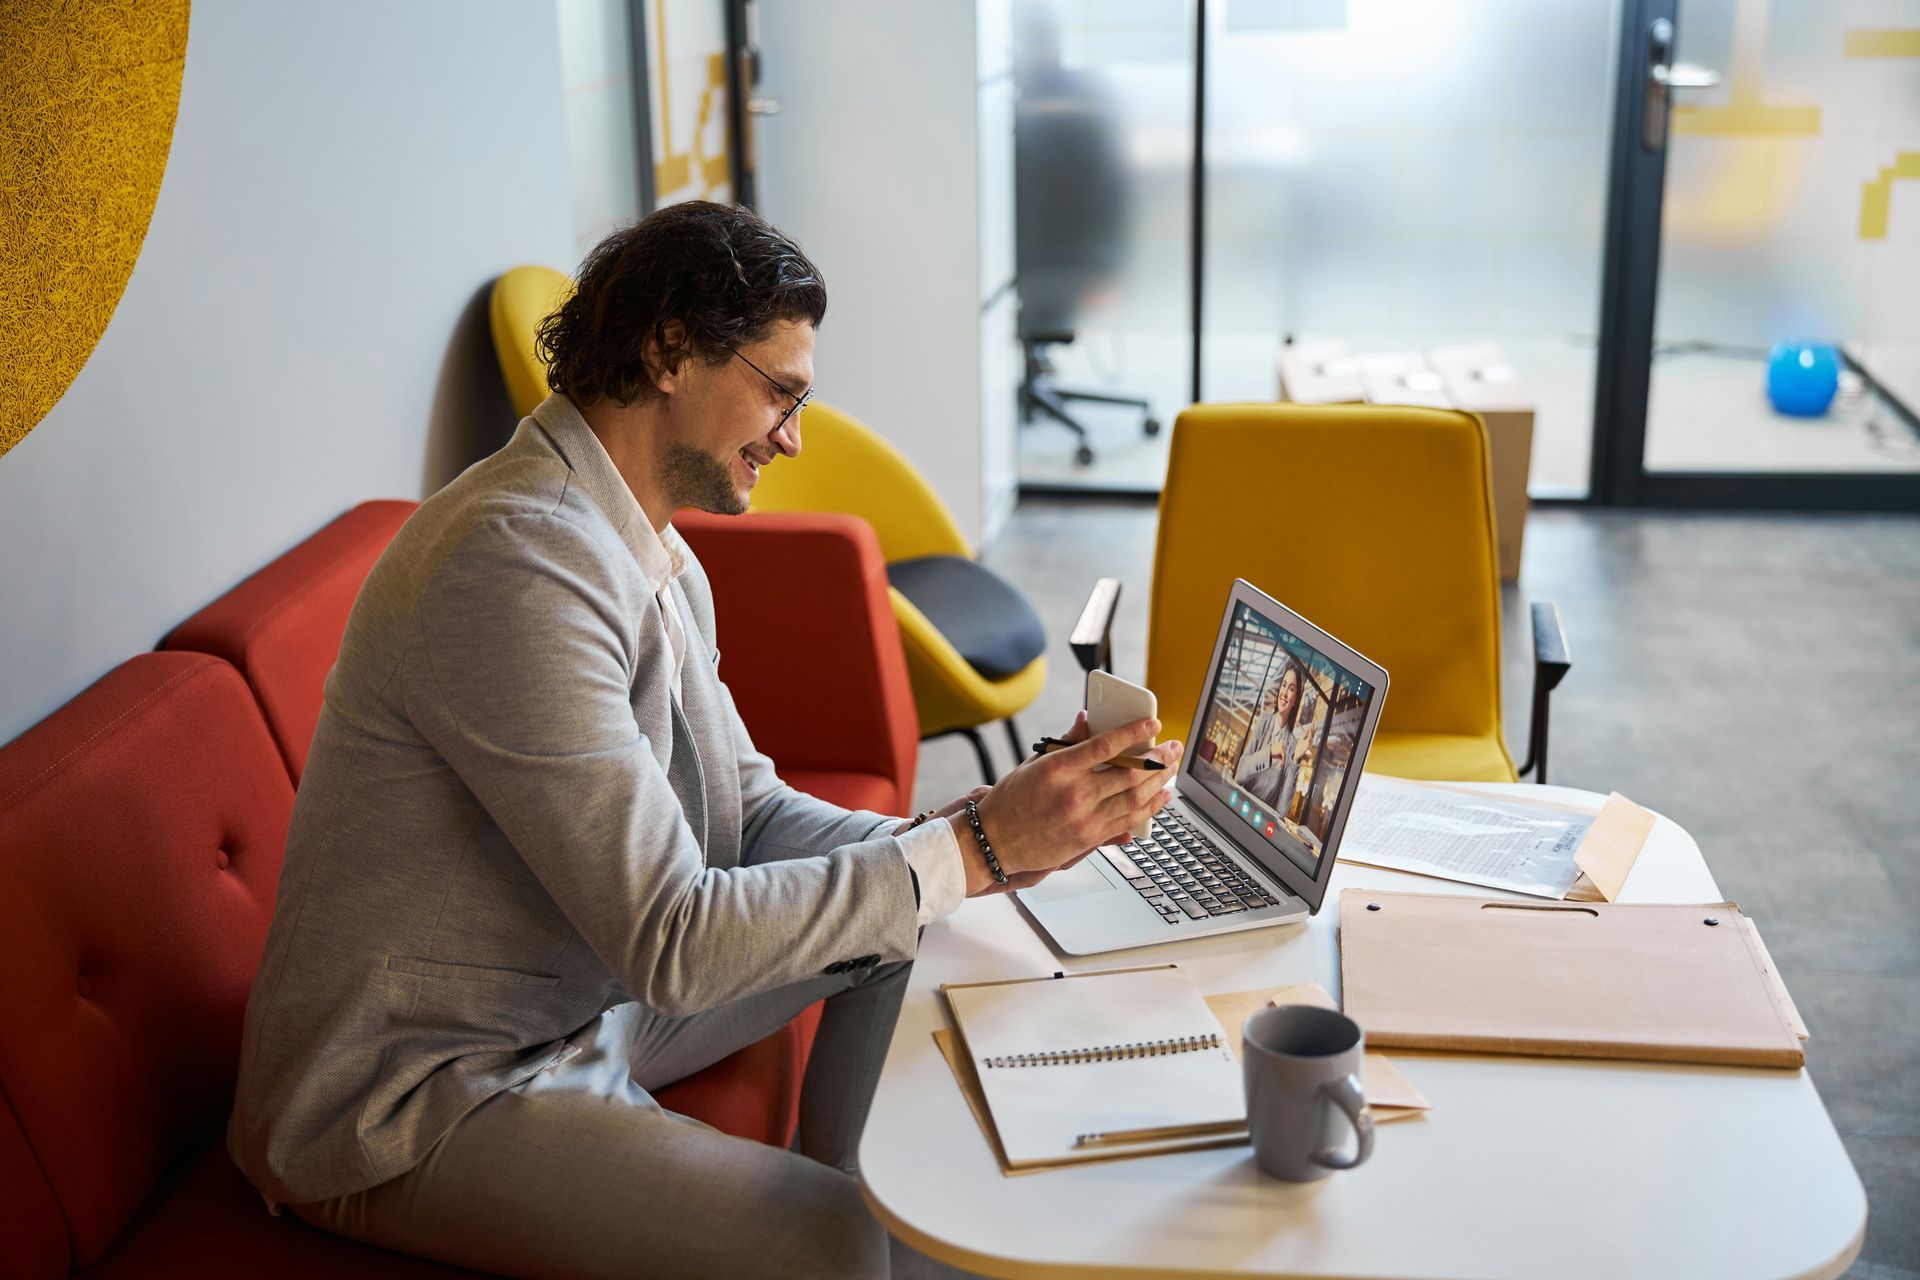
x,y
980,614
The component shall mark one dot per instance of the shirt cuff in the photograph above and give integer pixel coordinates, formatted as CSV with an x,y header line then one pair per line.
x,y
934,855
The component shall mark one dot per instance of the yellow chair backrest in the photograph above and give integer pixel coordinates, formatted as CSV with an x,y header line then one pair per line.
x,y
846,466
521,299
1373,522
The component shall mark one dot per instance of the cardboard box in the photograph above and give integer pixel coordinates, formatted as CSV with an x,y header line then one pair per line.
x,y
1473,376
1319,373
1479,379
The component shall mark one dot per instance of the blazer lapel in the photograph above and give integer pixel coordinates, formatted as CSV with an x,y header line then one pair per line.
x,y
688,779
703,705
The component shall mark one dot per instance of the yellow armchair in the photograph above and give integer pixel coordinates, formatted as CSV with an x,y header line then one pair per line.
x,y
845,466
1373,522
520,300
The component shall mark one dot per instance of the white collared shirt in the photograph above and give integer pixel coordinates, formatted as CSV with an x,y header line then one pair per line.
x,y
931,849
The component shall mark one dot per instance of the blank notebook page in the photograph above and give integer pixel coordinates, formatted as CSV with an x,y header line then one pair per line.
x,y
1095,1053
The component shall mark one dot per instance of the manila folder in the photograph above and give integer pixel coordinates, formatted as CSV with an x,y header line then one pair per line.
x,y
1584,980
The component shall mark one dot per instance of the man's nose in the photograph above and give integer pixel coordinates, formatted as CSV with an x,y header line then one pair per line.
x,y
787,438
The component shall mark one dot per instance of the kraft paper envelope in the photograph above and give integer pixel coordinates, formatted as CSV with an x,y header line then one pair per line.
x,y
1398,1099
1387,1091
1607,852
1653,983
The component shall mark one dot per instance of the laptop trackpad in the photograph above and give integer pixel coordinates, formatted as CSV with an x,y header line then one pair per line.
x,y
1076,881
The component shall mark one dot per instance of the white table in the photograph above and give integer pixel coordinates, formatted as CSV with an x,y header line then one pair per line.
x,y
1524,1167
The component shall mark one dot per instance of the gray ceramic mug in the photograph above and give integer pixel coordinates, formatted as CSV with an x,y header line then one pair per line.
x,y
1301,1063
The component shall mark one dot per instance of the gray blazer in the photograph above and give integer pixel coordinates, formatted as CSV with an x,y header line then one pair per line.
x,y
508,826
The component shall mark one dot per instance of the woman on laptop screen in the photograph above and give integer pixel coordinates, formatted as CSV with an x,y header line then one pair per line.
x,y
1282,721
1270,762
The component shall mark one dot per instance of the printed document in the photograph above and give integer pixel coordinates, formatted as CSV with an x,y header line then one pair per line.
x,y
1521,845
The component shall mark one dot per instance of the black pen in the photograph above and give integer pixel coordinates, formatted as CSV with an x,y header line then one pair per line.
x,y
1046,745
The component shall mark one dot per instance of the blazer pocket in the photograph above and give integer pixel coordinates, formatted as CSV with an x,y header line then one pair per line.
x,y
469,972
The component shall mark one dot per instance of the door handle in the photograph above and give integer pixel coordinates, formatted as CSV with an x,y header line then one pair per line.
x,y
1663,77
1686,76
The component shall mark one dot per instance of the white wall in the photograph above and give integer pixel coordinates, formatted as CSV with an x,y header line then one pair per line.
x,y
305,327
872,166
603,144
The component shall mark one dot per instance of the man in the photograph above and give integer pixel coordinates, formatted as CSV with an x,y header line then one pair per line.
x,y
536,868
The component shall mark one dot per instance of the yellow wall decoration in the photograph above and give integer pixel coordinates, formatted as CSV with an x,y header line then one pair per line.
x,y
698,167
88,95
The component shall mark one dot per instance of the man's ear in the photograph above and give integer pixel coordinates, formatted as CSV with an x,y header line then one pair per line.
x,y
666,357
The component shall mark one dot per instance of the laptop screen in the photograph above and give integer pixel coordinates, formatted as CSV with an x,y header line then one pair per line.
x,y
1275,737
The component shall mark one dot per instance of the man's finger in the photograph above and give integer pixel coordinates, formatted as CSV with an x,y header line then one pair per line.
x,y
1134,806
1147,781
1104,747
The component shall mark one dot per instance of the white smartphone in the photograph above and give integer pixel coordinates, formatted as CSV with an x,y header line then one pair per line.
x,y
1112,702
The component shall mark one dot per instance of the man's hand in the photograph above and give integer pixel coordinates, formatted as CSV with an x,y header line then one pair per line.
x,y
1054,810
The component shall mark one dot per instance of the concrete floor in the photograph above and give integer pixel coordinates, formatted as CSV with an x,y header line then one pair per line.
x,y
1753,677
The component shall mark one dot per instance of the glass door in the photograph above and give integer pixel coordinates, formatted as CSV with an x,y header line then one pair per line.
x,y
1765,228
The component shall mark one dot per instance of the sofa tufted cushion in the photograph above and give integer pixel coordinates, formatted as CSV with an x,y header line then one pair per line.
x,y
141,829
282,626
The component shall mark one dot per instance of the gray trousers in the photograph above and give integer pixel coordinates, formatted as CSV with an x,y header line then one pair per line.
x,y
580,1173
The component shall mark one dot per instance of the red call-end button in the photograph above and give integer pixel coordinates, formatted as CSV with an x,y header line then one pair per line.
x,y
1269,831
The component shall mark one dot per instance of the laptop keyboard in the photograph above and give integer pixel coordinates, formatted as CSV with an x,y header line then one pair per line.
x,y
1183,876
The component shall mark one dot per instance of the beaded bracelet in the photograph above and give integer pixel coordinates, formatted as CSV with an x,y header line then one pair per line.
x,y
986,850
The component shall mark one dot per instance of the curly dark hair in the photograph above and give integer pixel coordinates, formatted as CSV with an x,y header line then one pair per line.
x,y
694,279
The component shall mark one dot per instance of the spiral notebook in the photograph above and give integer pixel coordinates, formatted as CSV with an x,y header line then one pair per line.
x,y
1070,1065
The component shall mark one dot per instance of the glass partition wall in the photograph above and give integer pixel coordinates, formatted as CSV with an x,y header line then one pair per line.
x,y
1780,223
1103,146
1665,227
1391,179
1381,178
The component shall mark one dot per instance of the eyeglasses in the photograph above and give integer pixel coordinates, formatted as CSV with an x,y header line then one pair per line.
x,y
800,401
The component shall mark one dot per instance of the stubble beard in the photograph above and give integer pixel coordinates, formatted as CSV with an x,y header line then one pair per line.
x,y
694,479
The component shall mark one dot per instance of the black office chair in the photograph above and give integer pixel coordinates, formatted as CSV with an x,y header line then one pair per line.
x,y
1071,213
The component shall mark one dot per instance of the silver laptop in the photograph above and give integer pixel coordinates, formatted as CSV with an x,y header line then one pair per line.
x,y
1287,714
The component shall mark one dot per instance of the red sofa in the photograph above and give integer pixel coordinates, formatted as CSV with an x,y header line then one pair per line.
x,y
141,832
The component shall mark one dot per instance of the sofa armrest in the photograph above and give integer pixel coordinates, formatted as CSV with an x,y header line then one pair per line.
x,y
1551,662
808,643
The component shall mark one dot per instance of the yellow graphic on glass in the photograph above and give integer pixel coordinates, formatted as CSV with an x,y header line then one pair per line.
x,y
1885,42
1876,196
1745,113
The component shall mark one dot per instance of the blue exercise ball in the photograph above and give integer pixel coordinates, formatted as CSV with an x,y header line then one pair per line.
x,y
1802,377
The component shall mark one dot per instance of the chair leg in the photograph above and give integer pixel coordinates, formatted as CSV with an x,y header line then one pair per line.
x,y
980,749
1045,401
1101,397
1014,740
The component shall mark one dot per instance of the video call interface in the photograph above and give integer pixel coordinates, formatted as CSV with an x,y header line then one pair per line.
x,y
1278,734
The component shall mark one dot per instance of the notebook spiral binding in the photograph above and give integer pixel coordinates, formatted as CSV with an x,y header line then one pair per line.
x,y
1109,1052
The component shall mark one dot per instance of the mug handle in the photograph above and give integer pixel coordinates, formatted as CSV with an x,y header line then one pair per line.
x,y
1345,1094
